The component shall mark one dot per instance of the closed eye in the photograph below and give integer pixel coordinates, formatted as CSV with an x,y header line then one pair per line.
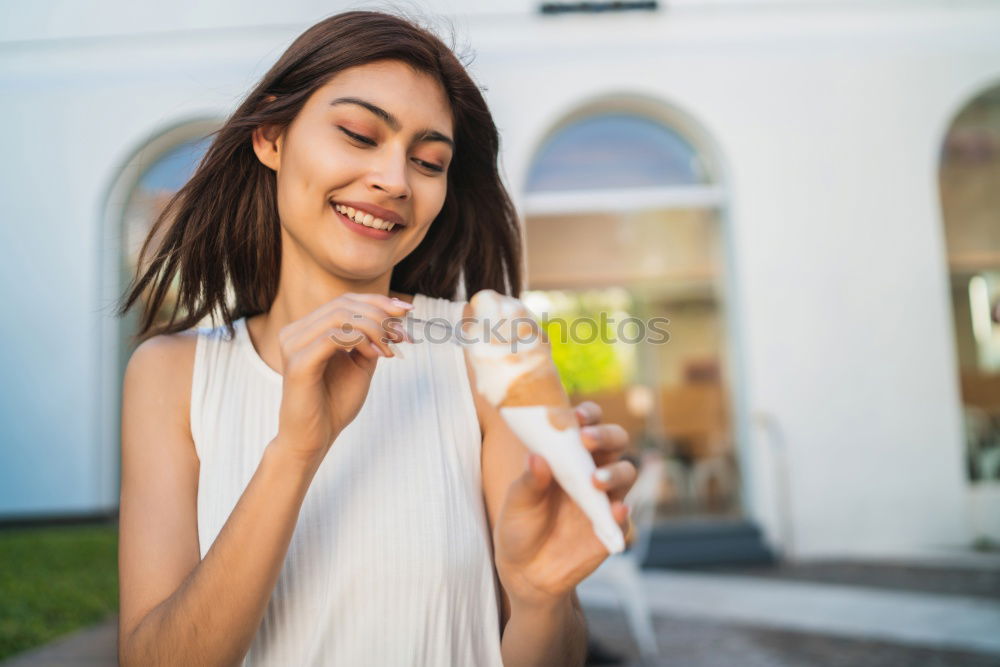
x,y
371,142
428,165
357,137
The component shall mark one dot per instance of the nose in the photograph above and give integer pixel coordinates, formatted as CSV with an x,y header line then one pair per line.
x,y
388,174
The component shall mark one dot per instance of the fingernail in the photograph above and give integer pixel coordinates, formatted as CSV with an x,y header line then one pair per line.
x,y
377,349
402,304
395,350
589,431
398,328
603,475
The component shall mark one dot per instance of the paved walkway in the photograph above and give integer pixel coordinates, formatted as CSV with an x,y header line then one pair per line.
x,y
93,647
687,642
714,620
920,619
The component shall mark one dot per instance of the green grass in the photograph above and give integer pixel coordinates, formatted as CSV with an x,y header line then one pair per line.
x,y
54,580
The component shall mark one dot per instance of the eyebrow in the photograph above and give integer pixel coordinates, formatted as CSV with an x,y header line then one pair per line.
x,y
392,121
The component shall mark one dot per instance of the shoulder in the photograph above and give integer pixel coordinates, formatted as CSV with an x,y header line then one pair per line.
x,y
161,368
164,352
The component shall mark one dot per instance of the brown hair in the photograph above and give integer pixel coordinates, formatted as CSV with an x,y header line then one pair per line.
x,y
221,232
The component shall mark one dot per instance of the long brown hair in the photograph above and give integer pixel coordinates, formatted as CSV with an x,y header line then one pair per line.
x,y
220,232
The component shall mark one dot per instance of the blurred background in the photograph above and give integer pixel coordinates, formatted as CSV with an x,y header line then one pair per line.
x,y
808,191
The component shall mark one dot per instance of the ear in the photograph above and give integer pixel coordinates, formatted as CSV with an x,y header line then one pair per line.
x,y
267,145
267,142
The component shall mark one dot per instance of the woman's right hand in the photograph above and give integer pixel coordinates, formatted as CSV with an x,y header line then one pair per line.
x,y
328,358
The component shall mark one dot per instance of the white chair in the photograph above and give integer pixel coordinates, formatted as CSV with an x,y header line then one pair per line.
x,y
623,571
714,468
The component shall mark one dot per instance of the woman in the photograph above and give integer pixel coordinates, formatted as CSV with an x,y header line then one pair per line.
x,y
292,497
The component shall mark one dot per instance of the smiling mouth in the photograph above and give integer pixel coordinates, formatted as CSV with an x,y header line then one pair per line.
x,y
359,217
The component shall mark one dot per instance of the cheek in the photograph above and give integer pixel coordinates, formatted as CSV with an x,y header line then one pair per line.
x,y
322,163
431,198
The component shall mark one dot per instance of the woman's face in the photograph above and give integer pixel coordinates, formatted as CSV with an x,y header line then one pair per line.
x,y
376,138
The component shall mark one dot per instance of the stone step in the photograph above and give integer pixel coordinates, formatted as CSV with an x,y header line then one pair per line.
x,y
679,543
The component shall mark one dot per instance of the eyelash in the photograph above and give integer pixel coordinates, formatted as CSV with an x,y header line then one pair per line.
x,y
370,142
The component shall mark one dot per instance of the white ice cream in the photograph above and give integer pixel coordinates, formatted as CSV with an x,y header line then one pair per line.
x,y
492,362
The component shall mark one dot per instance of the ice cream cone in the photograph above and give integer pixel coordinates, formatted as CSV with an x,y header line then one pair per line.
x,y
516,373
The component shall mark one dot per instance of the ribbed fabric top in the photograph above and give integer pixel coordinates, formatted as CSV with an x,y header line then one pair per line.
x,y
390,561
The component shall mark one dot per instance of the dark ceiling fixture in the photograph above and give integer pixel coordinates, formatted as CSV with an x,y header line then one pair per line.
x,y
596,7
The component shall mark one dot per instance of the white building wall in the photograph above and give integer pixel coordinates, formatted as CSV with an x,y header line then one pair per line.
x,y
827,118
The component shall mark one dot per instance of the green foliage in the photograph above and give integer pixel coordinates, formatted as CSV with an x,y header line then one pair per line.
x,y
587,364
54,581
582,329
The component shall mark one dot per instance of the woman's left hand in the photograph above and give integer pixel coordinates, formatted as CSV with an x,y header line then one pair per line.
x,y
544,543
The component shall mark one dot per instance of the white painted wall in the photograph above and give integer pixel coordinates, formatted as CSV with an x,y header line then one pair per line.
x,y
826,118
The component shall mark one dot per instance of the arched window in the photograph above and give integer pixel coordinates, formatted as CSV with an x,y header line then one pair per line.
x,y
970,206
623,224
615,150
154,173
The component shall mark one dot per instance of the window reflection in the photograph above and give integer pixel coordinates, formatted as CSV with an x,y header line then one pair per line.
x,y
624,261
970,203
157,184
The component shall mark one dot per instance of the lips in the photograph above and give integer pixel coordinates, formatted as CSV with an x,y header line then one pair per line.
x,y
358,228
384,214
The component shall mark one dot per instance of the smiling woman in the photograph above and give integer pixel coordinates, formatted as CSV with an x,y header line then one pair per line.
x,y
336,104
360,133
287,499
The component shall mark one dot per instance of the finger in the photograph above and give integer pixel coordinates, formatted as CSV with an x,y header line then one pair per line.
x,y
390,317
616,479
389,304
345,328
352,333
588,412
540,471
621,512
391,307
345,323
364,355
532,486
391,325
312,358
605,438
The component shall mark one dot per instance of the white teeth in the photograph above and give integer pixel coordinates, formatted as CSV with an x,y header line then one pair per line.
x,y
366,219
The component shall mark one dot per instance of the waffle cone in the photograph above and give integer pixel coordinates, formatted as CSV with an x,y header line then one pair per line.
x,y
537,386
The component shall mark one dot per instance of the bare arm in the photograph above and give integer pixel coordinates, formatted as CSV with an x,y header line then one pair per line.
x,y
545,637
530,635
555,635
175,608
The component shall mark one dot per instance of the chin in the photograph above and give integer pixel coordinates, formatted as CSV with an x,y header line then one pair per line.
x,y
357,271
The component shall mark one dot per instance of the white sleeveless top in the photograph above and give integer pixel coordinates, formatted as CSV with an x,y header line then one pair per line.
x,y
391,561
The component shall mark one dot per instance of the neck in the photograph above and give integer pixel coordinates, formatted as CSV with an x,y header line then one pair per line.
x,y
302,292
304,286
